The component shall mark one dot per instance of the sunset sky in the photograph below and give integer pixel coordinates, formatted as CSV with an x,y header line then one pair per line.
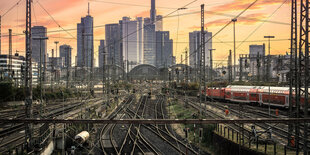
x,y
265,17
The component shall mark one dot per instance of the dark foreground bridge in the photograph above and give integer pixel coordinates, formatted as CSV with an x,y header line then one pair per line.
x,y
161,121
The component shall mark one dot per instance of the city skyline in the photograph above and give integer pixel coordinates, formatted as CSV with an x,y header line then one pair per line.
x,y
222,43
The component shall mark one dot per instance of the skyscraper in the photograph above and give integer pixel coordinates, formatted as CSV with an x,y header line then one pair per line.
x,y
102,54
38,32
164,49
149,42
63,52
194,48
132,41
85,44
153,11
113,44
140,39
159,23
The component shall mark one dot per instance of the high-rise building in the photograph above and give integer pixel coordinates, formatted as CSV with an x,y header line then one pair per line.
x,y
149,42
85,44
102,54
140,38
58,62
132,42
194,48
159,23
113,44
38,32
164,49
153,11
257,49
256,54
65,53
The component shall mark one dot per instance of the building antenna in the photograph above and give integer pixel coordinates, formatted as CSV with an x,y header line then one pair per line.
x,y
88,9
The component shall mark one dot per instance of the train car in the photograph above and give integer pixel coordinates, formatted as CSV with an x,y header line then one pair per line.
x,y
245,94
215,93
275,96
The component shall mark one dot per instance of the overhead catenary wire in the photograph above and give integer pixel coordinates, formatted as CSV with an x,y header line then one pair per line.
x,y
262,23
146,6
55,20
203,44
11,8
169,16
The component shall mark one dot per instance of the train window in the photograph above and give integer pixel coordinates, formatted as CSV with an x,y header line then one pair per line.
x,y
228,93
253,95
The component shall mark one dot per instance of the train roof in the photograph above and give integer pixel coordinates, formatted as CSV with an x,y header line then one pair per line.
x,y
242,87
274,90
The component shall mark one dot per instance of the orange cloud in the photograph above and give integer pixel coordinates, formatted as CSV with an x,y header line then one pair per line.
x,y
143,14
249,19
242,4
57,6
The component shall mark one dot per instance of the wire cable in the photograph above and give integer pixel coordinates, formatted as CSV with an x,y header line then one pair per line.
x,y
261,24
203,44
55,20
11,8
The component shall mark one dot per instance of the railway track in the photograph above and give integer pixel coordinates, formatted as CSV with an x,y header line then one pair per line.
x,y
13,135
279,130
163,131
133,142
142,138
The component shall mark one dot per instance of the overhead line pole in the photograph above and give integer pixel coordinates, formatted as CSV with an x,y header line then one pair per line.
x,y
202,52
234,21
10,55
28,81
304,78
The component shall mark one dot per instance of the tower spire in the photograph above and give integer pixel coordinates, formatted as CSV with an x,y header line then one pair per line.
x,y
88,9
153,11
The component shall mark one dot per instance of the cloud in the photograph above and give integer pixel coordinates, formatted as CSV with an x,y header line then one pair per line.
x,y
57,6
143,14
249,19
237,5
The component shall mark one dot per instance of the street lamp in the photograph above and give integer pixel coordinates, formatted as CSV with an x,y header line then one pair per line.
x,y
41,94
268,64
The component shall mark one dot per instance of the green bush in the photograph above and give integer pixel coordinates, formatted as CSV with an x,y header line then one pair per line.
x,y
6,91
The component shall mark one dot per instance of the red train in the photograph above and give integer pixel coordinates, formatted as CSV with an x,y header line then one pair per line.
x,y
261,95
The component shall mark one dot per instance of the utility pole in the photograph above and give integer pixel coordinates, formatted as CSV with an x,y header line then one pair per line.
x,y
186,63
10,55
28,81
229,67
304,78
240,69
202,57
234,21
103,70
293,66
211,64
68,65
258,66
56,42
53,76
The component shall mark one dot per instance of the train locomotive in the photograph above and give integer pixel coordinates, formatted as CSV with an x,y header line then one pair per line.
x,y
253,95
